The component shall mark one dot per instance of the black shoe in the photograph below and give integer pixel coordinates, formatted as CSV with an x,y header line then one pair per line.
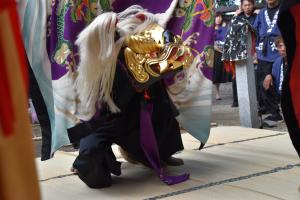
x,y
235,104
269,124
275,118
172,161
262,111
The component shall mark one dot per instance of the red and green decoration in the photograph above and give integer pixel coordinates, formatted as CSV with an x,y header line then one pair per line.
x,y
208,14
83,10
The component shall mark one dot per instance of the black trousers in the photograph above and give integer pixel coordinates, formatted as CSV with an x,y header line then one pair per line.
x,y
268,99
234,91
42,114
96,161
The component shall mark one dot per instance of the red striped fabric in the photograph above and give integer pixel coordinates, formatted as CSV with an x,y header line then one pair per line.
x,y
6,3
7,113
295,72
18,177
6,107
14,19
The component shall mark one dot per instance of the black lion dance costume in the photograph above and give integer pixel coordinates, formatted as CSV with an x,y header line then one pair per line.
x,y
122,95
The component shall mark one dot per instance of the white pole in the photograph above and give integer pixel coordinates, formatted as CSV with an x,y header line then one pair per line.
x,y
246,89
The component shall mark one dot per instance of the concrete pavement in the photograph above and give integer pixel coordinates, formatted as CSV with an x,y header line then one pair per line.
x,y
237,163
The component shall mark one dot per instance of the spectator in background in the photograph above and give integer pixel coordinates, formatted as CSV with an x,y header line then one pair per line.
x,y
219,73
274,81
267,53
246,11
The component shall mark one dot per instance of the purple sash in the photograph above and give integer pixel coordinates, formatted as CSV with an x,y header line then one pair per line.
x,y
149,146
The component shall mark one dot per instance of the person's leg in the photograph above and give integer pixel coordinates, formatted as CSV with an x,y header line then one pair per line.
x,y
268,99
234,94
218,96
127,156
218,73
256,80
271,101
263,69
96,161
172,161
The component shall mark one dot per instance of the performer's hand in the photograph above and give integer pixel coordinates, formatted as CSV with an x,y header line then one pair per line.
x,y
256,11
217,49
238,11
255,61
268,81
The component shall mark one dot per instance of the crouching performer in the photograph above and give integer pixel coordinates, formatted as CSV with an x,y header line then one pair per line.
x,y
122,96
